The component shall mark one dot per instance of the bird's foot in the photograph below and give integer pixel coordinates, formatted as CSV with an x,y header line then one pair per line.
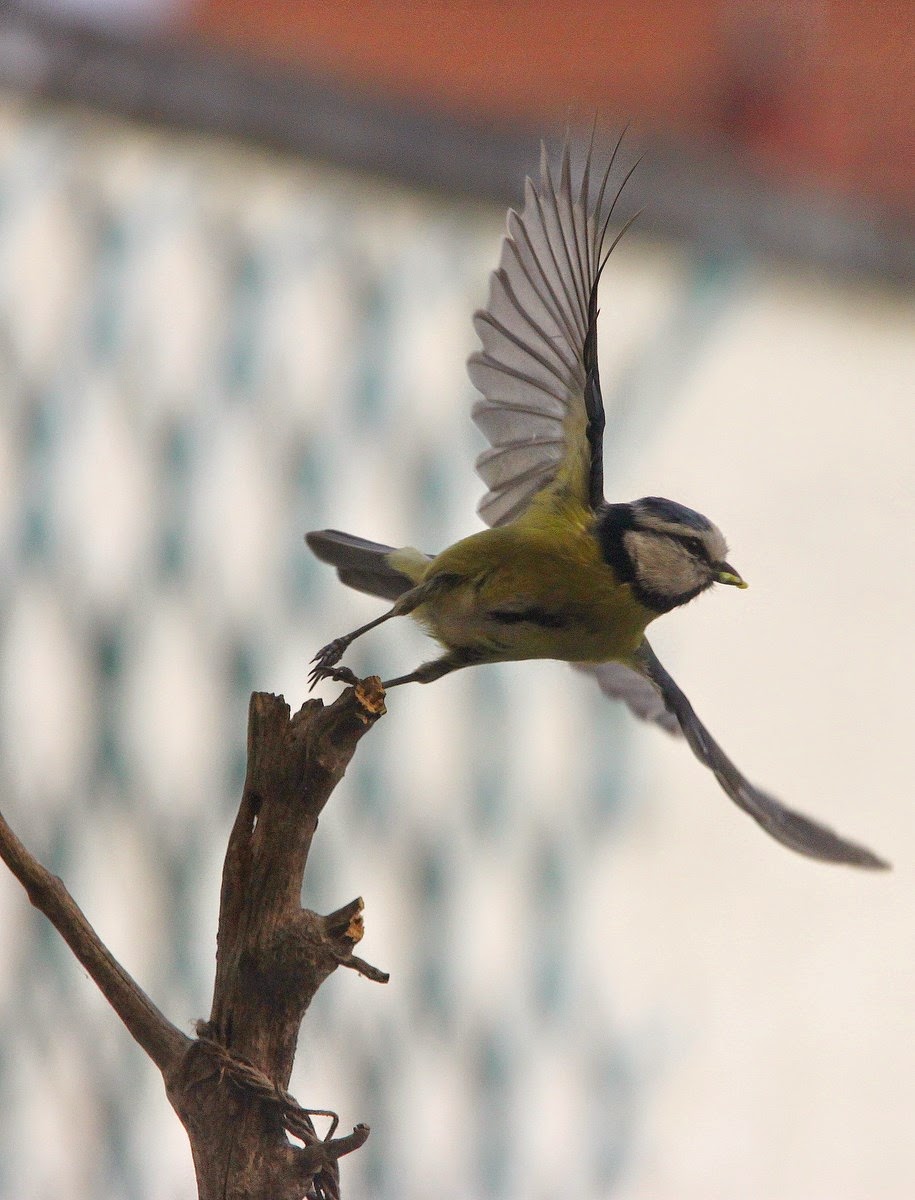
x,y
325,665
337,674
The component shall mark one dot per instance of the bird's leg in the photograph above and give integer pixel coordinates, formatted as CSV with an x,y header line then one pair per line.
x,y
430,671
327,658
325,661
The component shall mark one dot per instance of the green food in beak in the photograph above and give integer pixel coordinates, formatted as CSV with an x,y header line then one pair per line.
x,y
726,574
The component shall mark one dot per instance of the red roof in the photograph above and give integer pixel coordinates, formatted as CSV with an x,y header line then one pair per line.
x,y
817,92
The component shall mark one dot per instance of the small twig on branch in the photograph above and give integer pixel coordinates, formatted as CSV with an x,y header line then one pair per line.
x,y
355,963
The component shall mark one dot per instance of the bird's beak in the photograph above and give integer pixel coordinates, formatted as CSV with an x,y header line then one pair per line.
x,y
725,573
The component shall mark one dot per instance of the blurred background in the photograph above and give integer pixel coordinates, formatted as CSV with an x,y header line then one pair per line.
x,y
240,245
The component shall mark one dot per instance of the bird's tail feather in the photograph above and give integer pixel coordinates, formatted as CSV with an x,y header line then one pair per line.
x,y
360,564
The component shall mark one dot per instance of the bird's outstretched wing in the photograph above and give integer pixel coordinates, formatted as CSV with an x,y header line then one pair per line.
x,y
792,829
639,694
542,410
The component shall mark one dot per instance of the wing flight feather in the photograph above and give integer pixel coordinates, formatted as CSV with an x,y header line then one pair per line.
x,y
541,408
639,694
791,828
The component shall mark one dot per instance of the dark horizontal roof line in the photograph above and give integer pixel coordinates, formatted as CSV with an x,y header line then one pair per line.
x,y
698,195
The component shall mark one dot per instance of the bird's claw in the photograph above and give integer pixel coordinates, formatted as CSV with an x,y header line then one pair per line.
x,y
325,665
337,674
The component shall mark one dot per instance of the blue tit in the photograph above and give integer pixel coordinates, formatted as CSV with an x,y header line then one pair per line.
x,y
560,573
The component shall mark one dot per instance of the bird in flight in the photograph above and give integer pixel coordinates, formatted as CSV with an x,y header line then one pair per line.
x,y
560,572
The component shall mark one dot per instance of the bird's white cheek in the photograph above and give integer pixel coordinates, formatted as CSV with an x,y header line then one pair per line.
x,y
665,569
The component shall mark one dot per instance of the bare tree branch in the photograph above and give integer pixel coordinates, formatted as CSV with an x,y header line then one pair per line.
x,y
228,1086
150,1029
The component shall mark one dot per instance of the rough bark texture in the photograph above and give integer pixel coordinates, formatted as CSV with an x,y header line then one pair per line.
x,y
228,1086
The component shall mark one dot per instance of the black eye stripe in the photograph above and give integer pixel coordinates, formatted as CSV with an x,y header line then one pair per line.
x,y
695,546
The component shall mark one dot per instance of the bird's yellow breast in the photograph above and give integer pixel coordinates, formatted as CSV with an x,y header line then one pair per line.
x,y
537,588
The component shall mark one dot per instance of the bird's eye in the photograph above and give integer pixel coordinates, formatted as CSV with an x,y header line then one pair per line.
x,y
695,546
